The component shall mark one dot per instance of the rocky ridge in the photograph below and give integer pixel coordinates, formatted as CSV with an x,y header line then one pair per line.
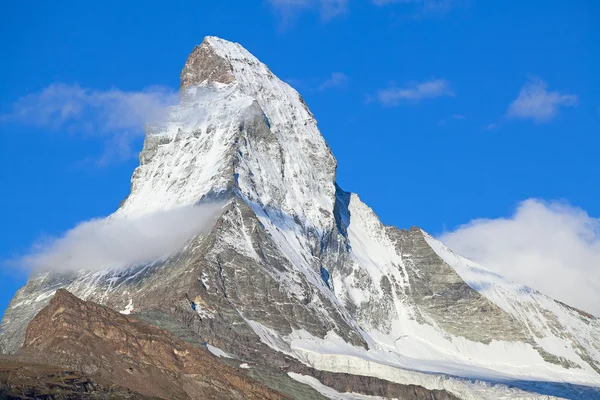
x,y
120,350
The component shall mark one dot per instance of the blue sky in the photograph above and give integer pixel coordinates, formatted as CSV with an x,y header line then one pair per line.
x,y
439,112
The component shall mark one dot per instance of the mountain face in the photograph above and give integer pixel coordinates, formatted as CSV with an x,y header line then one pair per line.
x,y
300,275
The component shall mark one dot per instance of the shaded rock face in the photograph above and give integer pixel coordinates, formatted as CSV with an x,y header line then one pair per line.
x,y
438,291
146,359
417,277
295,263
348,383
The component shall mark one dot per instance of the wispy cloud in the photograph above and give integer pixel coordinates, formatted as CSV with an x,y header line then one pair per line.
x,y
117,148
537,103
424,8
118,241
423,3
453,117
314,85
413,93
118,116
550,246
327,9
333,8
336,79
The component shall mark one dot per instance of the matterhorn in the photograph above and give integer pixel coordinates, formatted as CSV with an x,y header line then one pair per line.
x,y
297,285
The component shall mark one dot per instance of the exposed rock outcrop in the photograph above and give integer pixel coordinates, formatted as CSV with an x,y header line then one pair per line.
x,y
96,341
26,380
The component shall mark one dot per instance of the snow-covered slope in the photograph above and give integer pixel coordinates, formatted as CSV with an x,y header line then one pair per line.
x,y
565,332
288,167
298,266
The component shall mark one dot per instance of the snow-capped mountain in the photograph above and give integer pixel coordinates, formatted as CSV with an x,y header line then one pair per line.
x,y
297,270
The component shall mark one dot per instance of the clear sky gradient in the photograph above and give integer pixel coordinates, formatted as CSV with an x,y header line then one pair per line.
x,y
438,112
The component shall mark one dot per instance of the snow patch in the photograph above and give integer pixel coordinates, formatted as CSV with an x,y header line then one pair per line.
x,y
217,351
269,337
128,309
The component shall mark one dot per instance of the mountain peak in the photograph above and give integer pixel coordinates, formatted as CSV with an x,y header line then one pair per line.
x,y
205,64
239,129
215,61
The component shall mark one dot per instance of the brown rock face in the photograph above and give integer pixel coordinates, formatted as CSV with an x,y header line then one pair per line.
x,y
205,65
95,340
25,380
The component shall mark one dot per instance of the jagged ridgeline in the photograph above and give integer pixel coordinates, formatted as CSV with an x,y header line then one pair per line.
x,y
297,273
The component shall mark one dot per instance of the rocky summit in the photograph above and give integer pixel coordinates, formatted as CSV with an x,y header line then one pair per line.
x,y
298,279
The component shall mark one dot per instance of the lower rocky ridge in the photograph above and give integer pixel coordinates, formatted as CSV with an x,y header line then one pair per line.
x,y
81,349
26,380
107,346
272,368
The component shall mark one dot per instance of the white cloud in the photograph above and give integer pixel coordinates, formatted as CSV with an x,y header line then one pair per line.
x,y
328,9
116,242
549,246
414,92
119,116
336,79
537,103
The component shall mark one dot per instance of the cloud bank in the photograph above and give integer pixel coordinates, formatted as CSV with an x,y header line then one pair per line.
x,y
549,246
117,241
537,103
118,116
